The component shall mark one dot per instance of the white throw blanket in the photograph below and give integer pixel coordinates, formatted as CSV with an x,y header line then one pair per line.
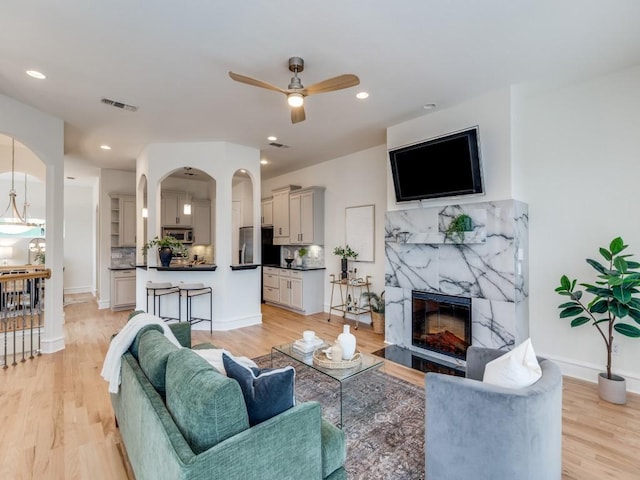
x,y
214,357
123,340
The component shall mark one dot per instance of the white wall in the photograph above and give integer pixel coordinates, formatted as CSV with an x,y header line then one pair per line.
x,y
492,114
79,239
580,171
44,136
349,181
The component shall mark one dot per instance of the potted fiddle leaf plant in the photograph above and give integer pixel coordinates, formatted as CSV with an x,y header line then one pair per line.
x,y
376,302
614,298
168,246
345,253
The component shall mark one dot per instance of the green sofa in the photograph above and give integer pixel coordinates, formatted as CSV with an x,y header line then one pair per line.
x,y
179,418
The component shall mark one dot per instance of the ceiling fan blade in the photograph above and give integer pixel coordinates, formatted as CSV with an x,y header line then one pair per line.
x,y
256,83
331,84
297,114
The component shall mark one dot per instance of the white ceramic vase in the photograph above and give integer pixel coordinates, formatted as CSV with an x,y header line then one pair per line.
x,y
347,341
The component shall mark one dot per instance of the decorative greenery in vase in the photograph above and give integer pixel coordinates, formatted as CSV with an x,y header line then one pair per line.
x,y
168,241
613,297
345,253
459,225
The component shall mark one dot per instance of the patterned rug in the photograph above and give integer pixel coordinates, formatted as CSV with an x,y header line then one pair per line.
x,y
383,420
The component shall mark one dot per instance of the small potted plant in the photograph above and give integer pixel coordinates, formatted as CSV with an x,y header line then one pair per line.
x,y
459,225
168,246
302,253
376,302
614,298
345,253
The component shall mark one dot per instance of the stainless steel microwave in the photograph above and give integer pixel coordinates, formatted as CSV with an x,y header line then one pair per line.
x,y
184,235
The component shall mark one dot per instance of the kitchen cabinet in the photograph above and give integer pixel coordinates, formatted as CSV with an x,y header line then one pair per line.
x,y
299,290
266,212
201,210
271,284
306,213
123,220
173,210
123,289
281,214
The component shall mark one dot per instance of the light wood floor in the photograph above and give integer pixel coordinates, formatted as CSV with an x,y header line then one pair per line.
x,y
56,420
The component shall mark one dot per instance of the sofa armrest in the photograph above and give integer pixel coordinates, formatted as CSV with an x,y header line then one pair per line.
x,y
182,331
287,446
477,359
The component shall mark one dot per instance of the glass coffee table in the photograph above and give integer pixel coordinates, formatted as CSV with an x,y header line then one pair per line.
x,y
341,375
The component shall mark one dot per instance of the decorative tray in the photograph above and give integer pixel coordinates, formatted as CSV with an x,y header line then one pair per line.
x,y
320,359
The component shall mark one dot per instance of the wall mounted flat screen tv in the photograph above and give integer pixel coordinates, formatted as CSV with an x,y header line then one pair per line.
x,y
446,166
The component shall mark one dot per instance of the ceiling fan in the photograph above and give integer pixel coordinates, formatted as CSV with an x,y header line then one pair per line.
x,y
296,92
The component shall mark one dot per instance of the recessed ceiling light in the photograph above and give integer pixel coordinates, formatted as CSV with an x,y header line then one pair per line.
x,y
429,106
105,147
362,95
71,178
263,162
272,138
36,74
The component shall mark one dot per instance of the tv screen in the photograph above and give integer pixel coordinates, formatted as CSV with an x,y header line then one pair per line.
x,y
440,167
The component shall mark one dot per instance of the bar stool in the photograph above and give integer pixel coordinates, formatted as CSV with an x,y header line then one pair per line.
x,y
190,290
157,290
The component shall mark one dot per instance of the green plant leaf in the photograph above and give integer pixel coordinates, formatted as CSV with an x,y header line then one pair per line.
x,y
621,294
571,312
627,330
617,245
620,310
565,282
600,306
577,295
635,314
602,320
564,305
576,322
632,264
613,281
596,265
621,264
605,253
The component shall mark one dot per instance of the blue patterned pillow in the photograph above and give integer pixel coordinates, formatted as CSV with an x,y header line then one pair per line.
x,y
266,392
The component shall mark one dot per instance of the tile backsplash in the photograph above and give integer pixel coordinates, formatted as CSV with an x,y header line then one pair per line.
x,y
123,257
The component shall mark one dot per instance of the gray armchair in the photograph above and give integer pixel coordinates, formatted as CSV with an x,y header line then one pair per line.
x,y
484,432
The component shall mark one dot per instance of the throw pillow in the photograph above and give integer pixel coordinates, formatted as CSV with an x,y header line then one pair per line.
x,y
516,369
266,392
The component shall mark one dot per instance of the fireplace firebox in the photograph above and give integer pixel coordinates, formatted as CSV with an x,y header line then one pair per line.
x,y
441,323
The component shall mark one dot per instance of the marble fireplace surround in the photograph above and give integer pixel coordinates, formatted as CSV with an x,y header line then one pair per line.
x,y
490,266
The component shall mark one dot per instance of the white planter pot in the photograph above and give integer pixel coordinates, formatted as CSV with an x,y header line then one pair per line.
x,y
612,390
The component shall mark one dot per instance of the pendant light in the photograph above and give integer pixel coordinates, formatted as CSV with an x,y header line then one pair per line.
x,y
12,222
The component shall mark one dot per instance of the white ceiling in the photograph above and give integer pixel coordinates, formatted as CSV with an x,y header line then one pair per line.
x,y
171,59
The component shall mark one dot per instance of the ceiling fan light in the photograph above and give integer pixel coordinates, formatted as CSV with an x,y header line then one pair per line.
x,y
295,100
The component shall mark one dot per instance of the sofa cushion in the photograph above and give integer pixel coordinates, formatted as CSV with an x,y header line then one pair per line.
x,y
266,392
206,406
135,345
334,450
518,368
153,350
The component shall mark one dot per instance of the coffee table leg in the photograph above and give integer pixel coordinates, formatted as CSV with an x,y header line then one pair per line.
x,y
340,424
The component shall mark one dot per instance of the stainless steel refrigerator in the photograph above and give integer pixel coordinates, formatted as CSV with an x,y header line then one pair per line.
x,y
245,244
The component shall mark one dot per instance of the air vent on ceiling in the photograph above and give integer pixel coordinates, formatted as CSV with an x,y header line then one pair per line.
x,y
278,145
121,105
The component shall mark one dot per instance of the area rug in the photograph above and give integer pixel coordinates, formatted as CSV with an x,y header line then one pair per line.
x,y
383,419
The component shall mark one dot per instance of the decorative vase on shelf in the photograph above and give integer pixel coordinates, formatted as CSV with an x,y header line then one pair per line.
x,y
344,267
165,254
347,341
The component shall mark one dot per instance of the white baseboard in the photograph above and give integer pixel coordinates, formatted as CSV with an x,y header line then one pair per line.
x,y
52,345
230,323
102,304
589,372
81,289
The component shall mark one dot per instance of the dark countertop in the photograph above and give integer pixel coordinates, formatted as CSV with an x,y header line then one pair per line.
x,y
294,268
187,268
122,268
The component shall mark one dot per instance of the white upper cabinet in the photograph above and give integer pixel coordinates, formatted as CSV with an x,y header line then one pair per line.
x,y
306,211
